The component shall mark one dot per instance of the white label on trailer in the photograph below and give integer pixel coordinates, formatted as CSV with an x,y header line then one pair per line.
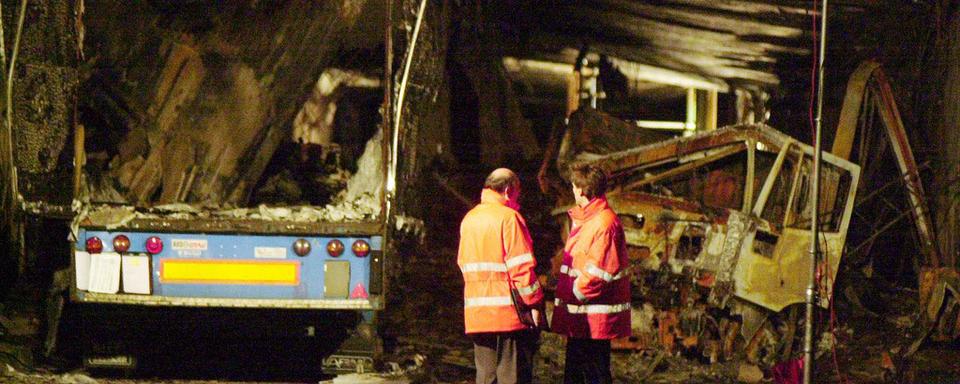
x,y
135,273
189,244
82,267
270,253
104,272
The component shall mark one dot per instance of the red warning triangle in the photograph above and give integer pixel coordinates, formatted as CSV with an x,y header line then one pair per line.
x,y
359,292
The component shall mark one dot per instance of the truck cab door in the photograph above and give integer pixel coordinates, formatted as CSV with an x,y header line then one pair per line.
x,y
775,256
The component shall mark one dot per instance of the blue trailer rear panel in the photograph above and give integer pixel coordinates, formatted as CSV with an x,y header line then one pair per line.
x,y
234,270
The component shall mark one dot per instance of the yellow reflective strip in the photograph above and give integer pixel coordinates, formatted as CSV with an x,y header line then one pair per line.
x,y
526,291
565,270
186,271
596,271
483,267
518,260
598,308
494,301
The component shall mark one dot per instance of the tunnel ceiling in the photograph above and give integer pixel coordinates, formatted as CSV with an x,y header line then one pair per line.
x,y
723,42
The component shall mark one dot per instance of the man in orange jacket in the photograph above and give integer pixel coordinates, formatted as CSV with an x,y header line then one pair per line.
x,y
593,288
495,256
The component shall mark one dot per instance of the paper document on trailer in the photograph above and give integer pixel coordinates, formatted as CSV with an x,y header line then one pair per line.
x,y
81,266
104,272
136,274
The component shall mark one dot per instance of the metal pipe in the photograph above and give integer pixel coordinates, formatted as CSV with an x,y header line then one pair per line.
x,y
815,215
387,113
401,92
12,196
9,96
387,102
3,135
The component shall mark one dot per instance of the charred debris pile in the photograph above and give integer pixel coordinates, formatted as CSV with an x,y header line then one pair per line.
x,y
190,113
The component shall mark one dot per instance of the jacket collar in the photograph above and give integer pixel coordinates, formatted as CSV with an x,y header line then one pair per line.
x,y
596,205
489,196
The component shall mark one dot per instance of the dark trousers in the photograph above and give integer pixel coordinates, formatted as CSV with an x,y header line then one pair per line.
x,y
588,361
505,358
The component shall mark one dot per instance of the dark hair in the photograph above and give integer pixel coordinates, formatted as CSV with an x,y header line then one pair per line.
x,y
590,178
499,181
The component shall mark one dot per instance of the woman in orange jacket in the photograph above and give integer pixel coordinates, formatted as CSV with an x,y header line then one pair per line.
x,y
593,288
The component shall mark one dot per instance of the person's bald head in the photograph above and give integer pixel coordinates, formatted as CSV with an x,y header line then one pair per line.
x,y
502,179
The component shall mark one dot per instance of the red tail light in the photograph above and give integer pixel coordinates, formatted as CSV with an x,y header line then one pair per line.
x,y
361,248
154,245
94,245
335,248
121,243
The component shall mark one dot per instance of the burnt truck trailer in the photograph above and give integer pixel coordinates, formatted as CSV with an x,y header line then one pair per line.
x,y
304,277
232,181
717,227
280,272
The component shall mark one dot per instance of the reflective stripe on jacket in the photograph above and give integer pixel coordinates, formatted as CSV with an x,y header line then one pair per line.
x,y
593,287
495,252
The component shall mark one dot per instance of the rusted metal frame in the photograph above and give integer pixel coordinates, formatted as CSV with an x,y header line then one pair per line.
x,y
874,156
642,198
636,159
626,172
877,191
883,229
889,204
686,167
900,144
853,103
866,127
668,149
549,156
843,164
645,166
771,179
79,158
751,174
788,215
882,218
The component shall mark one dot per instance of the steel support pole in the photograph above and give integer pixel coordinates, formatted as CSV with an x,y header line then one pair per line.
x,y
808,336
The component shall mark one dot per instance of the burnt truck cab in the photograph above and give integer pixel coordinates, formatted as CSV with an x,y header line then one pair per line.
x,y
726,213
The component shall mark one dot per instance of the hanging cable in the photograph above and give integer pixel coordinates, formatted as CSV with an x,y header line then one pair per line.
x,y
391,186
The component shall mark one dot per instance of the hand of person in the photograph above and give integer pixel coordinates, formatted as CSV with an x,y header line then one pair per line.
x,y
536,317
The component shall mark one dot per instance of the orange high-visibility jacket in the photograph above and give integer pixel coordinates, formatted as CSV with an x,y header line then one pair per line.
x,y
495,252
593,288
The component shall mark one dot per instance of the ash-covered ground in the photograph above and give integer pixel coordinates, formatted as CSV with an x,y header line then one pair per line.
x,y
423,325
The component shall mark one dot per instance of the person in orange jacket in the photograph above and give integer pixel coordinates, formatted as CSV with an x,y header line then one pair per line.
x,y
593,287
495,256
